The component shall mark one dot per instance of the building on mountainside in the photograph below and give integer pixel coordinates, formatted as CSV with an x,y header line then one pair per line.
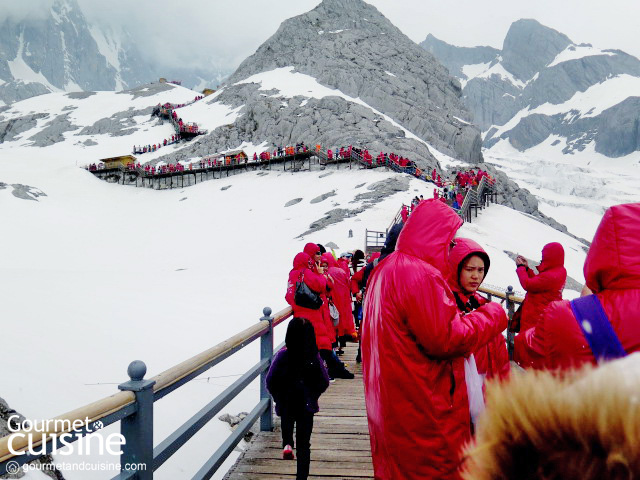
x,y
234,157
117,162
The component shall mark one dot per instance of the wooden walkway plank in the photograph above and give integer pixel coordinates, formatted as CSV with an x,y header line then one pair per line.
x,y
340,448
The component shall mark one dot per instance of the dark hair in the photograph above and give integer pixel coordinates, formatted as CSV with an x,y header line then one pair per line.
x,y
482,255
300,339
321,248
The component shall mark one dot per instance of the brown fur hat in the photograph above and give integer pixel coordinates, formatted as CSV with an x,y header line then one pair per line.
x,y
582,426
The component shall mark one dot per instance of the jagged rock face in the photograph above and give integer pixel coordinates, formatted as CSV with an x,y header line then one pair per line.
x,y
454,58
60,47
540,68
348,45
529,47
329,121
68,54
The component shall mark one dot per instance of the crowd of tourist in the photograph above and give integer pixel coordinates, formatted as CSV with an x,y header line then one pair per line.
x,y
439,386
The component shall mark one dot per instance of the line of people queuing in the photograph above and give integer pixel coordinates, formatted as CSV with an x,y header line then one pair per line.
x,y
432,347
281,151
140,149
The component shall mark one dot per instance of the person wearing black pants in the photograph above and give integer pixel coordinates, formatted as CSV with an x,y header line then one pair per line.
x,y
335,365
296,379
304,426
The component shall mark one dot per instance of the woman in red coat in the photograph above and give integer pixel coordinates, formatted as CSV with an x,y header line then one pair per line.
x,y
542,289
304,268
612,272
414,343
468,266
341,296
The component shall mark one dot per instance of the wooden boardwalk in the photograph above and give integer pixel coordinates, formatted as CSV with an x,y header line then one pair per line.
x,y
340,446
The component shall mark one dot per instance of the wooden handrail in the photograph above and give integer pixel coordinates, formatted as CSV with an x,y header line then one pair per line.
x,y
106,406
500,294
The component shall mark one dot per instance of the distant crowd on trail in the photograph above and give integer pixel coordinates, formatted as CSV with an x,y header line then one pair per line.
x,y
168,110
435,358
453,192
153,147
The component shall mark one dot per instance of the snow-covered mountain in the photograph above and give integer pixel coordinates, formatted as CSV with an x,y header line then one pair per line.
x,y
378,88
57,51
109,273
543,88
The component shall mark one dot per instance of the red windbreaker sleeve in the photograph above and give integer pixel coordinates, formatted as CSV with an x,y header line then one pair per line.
x,y
433,318
536,283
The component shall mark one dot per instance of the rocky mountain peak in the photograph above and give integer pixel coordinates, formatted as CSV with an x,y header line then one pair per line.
x,y
529,46
348,45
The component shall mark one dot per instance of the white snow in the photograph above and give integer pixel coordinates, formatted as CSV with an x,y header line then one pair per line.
x,y
389,73
590,103
596,98
108,48
472,71
103,105
336,31
462,120
574,52
573,189
498,69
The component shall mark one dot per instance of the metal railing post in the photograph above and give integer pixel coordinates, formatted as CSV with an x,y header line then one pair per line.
x,y
510,310
266,352
137,429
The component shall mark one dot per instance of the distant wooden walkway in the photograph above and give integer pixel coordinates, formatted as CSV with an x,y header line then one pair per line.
x,y
340,446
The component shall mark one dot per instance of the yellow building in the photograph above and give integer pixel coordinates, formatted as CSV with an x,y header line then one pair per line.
x,y
116,162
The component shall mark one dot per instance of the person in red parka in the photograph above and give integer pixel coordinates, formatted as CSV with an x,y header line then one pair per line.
x,y
404,213
468,267
612,272
304,268
542,289
341,296
414,343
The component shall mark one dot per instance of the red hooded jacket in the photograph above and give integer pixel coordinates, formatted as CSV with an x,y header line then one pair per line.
x,y
302,265
413,347
492,359
341,295
542,289
612,272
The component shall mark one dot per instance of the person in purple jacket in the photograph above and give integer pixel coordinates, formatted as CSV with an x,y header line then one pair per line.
x,y
296,379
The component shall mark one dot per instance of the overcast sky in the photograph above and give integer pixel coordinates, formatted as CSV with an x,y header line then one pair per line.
x,y
223,32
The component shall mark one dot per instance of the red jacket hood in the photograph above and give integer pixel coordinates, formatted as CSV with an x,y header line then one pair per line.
x,y
613,261
331,261
464,247
301,260
428,233
552,256
310,249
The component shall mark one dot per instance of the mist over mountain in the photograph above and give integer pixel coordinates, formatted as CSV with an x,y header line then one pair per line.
x,y
542,87
56,49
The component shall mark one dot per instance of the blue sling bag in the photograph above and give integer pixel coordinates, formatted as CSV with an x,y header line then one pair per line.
x,y
597,328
